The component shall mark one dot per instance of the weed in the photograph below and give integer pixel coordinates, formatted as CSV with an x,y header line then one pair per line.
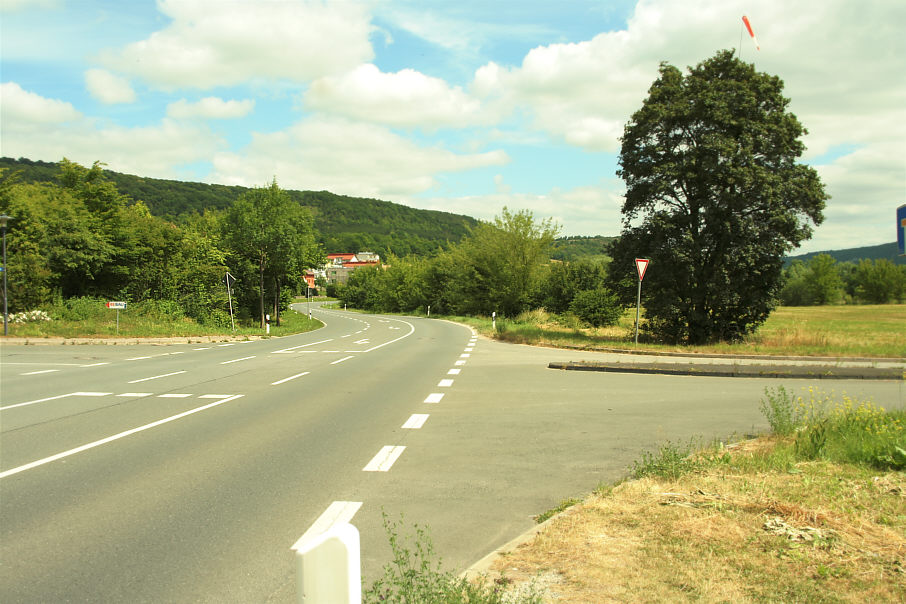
x,y
414,576
671,461
563,505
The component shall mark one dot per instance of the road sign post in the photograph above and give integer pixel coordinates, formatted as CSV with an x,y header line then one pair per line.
x,y
641,265
118,306
901,230
228,280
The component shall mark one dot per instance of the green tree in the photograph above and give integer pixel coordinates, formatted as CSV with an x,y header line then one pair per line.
x,y
599,307
816,282
503,259
880,281
714,197
266,228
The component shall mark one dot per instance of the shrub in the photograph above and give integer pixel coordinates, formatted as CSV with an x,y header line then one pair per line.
x,y
598,307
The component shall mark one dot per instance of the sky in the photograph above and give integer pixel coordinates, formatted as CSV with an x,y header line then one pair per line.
x,y
464,106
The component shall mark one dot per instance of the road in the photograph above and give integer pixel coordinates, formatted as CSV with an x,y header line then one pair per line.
x,y
187,472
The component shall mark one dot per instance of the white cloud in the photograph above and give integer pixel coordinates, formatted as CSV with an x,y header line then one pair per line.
x,y
404,98
210,108
22,106
108,88
344,157
212,44
47,129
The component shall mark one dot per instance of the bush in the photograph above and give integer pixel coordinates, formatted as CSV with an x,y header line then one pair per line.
x,y
598,307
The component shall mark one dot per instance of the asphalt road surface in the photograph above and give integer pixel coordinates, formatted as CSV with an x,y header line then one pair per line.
x,y
186,473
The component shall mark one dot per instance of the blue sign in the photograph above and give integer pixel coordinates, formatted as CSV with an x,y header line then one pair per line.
x,y
901,229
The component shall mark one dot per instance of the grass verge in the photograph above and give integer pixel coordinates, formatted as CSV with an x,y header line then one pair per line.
x,y
859,331
89,318
813,514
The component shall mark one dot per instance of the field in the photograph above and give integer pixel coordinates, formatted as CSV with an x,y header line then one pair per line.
x,y
834,331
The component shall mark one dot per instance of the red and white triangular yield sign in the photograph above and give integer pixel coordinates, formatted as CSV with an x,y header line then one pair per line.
x,y
641,265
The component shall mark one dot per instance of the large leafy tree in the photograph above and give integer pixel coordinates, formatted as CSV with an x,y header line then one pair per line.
x,y
267,228
714,197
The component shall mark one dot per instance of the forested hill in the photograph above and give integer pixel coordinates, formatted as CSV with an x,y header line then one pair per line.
x,y
887,251
343,224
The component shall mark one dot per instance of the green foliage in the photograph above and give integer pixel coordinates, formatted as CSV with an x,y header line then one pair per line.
x,y
842,430
714,198
414,576
880,281
565,279
598,307
670,461
570,249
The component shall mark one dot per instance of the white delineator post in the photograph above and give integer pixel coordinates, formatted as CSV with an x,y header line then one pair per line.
x,y
328,567
641,265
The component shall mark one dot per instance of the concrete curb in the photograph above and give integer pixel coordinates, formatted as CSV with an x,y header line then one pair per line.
x,y
751,371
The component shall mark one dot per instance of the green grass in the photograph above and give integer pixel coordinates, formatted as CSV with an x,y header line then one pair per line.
x,y
89,318
855,331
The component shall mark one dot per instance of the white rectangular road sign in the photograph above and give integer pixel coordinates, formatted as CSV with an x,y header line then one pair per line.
x,y
117,305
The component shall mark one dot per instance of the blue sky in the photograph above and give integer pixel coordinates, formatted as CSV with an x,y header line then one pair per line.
x,y
464,106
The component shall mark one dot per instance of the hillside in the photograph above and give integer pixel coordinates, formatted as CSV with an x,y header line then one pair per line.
x,y
343,223
874,252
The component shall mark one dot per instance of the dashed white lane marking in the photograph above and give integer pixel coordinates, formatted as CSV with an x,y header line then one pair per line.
x,y
134,394
445,383
203,348
39,372
138,358
90,394
225,345
469,349
218,396
454,372
237,360
465,355
341,360
415,421
40,400
384,460
174,395
292,377
460,363
96,364
154,377
292,348
434,397
338,512
104,441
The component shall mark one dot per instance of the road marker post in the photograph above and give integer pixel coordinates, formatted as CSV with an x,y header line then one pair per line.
x,y
329,567
641,265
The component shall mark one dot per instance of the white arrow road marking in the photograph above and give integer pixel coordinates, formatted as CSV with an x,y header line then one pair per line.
x,y
109,439
383,461
338,512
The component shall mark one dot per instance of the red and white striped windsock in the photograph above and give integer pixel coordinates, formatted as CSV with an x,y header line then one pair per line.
x,y
751,33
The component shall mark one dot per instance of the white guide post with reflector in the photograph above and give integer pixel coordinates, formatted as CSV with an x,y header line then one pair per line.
x,y
641,265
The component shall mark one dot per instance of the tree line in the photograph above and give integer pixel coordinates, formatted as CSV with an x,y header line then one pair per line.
x,y
84,238
823,280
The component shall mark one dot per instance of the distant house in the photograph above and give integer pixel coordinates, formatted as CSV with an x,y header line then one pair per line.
x,y
340,266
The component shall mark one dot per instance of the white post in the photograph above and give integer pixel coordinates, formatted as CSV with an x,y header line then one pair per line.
x,y
494,321
267,324
328,567
429,311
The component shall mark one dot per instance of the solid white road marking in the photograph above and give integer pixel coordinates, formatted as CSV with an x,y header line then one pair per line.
x,y
338,512
91,393
96,364
434,397
154,377
415,421
341,360
445,383
216,395
137,358
454,372
204,348
174,395
104,441
135,394
40,400
384,460
39,372
237,360
292,377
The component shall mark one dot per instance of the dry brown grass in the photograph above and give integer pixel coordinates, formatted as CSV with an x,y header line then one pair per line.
x,y
820,533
